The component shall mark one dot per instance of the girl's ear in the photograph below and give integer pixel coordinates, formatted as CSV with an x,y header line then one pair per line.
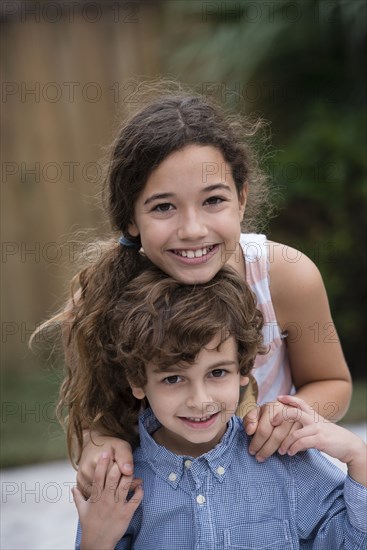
x,y
242,199
133,229
138,393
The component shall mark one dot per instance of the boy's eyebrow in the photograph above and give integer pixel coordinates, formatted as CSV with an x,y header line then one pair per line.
x,y
213,187
221,363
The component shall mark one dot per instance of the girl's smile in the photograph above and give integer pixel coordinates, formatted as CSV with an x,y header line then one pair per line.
x,y
189,213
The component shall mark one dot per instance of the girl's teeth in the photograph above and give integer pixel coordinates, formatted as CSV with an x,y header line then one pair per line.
x,y
194,253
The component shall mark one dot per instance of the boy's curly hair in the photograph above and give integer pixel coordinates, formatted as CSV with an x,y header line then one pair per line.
x,y
162,321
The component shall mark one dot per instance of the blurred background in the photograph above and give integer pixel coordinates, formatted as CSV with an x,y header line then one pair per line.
x,y
69,74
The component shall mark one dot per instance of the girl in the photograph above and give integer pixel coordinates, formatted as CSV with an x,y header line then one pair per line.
x,y
182,180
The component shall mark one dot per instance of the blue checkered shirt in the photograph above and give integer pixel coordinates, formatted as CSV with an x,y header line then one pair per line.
x,y
225,499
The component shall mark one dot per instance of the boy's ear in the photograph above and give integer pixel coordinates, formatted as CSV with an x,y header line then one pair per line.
x,y
244,380
138,393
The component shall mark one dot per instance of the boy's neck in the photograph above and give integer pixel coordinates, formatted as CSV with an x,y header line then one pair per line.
x,y
182,447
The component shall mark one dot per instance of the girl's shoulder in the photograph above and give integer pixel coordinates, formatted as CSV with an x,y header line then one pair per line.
x,y
294,279
281,263
291,279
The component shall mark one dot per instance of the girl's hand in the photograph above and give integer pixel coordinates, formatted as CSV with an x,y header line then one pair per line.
x,y
271,426
119,450
318,433
105,517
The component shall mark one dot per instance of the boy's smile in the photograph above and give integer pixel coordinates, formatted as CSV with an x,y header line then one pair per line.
x,y
194,403
189,213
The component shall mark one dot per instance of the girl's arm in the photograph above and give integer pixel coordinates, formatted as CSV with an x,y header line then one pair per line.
x,y
318,433
319,371
94,444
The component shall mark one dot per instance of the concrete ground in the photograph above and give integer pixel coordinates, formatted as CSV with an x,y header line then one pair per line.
x,y
37,509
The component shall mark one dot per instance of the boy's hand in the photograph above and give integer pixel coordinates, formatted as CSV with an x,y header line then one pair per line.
x,y
119,450
105,517
271,426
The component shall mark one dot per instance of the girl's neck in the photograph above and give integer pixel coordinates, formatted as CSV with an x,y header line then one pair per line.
x,y
237,261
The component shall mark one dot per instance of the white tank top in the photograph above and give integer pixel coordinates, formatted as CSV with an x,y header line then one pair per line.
x,y
272,370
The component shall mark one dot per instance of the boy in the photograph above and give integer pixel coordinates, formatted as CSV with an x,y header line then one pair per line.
x,y
187,352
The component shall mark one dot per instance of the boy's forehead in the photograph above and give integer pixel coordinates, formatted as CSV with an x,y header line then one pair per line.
x,y
225,347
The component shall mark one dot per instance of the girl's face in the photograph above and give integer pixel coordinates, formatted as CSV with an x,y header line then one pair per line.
x,y
188,215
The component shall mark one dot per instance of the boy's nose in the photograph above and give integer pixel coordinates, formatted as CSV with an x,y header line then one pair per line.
x,y
192,226
198,399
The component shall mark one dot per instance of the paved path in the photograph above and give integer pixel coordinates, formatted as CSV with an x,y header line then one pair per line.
x,y
38,512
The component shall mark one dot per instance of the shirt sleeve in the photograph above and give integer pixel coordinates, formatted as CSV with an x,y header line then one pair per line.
x,y
78,539
355,496
330,507
124,544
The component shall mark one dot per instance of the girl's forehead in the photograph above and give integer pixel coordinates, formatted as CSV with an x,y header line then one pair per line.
x,y
197,165
192,154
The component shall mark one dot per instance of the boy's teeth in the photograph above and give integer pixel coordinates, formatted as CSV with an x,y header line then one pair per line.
x,y
194,419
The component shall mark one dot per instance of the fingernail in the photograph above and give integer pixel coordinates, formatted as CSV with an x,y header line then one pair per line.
x,y
251,452
104,454
260,459
281,451
128,467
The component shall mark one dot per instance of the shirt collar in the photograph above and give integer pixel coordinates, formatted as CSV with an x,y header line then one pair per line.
x,y
170,466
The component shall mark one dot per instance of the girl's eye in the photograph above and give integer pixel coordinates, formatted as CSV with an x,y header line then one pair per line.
x,y
172,379
164,207
218,373
213,201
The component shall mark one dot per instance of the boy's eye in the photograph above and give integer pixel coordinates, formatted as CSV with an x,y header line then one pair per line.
x,y
172,379
164,207
218,373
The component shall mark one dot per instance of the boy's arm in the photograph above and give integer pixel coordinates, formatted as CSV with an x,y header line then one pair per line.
x,y
106,515
331,508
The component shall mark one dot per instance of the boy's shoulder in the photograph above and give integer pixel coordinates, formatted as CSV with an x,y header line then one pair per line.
x,y
232,456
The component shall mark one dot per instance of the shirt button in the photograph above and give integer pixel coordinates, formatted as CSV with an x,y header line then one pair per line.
x,y
172,477
220,470
200,499
188,463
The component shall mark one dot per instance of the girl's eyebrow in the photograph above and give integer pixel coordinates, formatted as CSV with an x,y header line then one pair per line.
x,y
217,186
158,196
213,187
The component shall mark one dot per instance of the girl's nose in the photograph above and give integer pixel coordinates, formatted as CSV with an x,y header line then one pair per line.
x,y
192,226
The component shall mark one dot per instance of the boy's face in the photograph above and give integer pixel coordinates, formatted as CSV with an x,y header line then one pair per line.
x,y
194,404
